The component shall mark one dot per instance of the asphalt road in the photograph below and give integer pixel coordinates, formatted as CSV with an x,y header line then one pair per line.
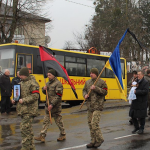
x,y
114,126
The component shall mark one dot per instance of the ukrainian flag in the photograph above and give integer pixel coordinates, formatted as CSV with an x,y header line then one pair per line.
x,y
114,64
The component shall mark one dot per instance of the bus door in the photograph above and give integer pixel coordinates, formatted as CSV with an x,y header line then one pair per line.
x,y
25,60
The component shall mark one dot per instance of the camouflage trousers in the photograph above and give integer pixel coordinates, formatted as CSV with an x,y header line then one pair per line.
x,y
93,122
27,133
58,121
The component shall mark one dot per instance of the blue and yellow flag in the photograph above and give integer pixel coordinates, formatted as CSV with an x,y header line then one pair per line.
x,y
114,64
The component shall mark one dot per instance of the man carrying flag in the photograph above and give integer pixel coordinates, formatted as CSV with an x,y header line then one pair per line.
x,y
55,90
94,93
95,102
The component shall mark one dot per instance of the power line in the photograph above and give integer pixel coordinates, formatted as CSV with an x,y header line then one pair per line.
x,y
80,4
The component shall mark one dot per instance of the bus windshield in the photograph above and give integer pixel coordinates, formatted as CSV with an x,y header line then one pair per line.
x,y
7,58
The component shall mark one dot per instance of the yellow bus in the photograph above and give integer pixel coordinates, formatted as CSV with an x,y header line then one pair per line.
x,y
14,56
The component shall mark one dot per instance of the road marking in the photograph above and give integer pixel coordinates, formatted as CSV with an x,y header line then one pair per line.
x,y
86,144
73,147
125,136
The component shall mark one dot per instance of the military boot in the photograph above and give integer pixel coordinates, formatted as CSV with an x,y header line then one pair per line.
x,y
40,138
90,145
62,137
98,144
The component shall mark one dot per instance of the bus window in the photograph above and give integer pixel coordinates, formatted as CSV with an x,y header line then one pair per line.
x,y
71,68
29,62
75,66
7,58
109,73
70,59
81,60
81,69
21,61
24,61
60,59
99,64
76,69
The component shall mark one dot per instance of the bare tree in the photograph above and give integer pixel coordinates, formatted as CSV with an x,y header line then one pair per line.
x,y
111,19
80,41
17,14
69,45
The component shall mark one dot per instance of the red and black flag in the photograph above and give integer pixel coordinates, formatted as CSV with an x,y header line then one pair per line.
x,y
49,61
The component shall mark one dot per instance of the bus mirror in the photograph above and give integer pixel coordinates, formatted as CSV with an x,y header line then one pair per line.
x,y
20,61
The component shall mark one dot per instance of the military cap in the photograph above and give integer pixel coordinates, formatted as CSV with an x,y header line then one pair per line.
x,y
24,71
53,72
94,70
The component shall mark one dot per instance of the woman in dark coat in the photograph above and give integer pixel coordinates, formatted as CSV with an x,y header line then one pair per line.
x,y
138,110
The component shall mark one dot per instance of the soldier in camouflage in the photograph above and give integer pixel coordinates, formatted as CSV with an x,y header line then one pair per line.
x,y
27,107
95,103
55,90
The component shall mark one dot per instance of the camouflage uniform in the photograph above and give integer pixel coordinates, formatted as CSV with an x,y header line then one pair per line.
x,y
148,79
28,110
54,90
95,106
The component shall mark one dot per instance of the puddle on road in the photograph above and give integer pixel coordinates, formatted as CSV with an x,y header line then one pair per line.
x,y
132,145
137,144
8,135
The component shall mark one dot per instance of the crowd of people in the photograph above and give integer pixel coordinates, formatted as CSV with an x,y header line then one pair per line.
x,y
93,92
139,98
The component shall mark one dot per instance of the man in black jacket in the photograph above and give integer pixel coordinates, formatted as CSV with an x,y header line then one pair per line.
x,y
147,77
6,91
16,80
138,110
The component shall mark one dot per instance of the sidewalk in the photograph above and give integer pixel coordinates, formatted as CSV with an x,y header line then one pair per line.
x,y
115,104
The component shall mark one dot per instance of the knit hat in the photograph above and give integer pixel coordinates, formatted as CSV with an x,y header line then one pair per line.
x,y
24,71
95,71
53,72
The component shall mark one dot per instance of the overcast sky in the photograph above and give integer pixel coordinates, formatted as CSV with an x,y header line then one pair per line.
x,y
67,17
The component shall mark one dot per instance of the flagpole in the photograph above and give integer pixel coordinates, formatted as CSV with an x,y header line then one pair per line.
x,y
93,84
47,95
